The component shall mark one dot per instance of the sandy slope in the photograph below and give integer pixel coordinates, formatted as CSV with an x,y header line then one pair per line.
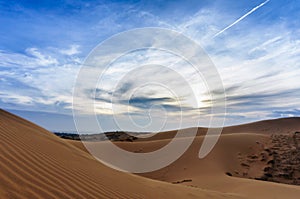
x,y
210,172
233,154
36,164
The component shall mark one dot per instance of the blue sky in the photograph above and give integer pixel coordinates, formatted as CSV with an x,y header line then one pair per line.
x,y
44,43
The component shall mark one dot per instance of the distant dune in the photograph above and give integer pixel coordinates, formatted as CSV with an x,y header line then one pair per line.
x,y
37,164
268,127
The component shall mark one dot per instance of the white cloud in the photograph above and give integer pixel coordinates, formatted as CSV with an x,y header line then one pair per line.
x,y
38,78
41,59
73,50
9,97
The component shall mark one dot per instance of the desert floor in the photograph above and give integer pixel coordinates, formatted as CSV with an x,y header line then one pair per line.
x,y
257,160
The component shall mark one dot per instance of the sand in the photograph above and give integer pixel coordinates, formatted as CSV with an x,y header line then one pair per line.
x,y
37,164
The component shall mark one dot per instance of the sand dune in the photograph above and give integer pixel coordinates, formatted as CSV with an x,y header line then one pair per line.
x,y
240,153
275,126
210,172
229,157
37,164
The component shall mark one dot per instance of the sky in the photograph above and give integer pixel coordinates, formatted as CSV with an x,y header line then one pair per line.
x,y
254,45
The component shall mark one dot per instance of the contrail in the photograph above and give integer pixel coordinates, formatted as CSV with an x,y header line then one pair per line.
x,y
242,17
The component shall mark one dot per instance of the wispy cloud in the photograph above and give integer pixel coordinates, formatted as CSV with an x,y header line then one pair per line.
x,y
37,78
73,50
242,17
